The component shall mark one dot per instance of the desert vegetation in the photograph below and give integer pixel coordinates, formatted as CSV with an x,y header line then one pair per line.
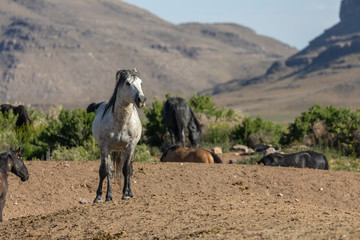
x,y
62,134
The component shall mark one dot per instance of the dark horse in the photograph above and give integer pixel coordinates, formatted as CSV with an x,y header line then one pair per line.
x,y
10,161
93,107
178,117
20,111
306,159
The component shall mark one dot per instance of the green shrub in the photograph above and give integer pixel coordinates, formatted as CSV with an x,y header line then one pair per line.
x,y
70,129
155,128
142,153
8,136
60,133
205,104
73,154
252,132
340,123
217,134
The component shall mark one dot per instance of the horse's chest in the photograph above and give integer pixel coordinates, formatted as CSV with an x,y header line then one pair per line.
x,y
119,140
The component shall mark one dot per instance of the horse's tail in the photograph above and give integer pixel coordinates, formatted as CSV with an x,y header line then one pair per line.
x,y
217,159
326,164
118,163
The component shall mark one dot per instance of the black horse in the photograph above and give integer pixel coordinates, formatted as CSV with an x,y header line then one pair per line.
x,y
10,161
178,117
20,111
93,107
306,159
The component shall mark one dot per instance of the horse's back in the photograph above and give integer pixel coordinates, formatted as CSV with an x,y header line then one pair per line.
x,y
203,156
98,122
176,110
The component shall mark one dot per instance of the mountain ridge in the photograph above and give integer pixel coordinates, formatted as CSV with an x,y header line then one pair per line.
x,y
66,52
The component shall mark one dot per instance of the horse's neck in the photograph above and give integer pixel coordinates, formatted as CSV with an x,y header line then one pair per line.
x,y
5,166
123,112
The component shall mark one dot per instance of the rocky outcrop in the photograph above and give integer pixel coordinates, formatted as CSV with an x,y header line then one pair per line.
x,y
338,41
350,11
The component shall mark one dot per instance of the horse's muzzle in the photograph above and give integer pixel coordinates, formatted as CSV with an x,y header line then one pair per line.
x,y
25,178
140,101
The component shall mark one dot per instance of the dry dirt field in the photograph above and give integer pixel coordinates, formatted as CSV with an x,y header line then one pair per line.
x,y
184,201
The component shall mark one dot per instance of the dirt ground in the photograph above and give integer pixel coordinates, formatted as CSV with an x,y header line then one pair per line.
x,y
184,201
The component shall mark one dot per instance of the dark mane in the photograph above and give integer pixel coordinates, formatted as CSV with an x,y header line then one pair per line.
x,y
196,121
171,148
121,76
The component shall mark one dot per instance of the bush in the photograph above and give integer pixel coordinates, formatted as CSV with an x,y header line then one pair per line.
x,y
73,154
340,124
205,104
70,129
218,134
60,133
155,128
252,132
8,136
142,153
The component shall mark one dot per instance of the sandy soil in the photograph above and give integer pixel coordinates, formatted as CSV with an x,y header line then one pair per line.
x,y
184,201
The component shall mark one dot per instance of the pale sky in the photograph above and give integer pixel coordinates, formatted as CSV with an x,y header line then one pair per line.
x,y
295,22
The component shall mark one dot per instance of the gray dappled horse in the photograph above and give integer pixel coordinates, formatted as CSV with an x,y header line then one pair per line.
x,y
10,161
178,117
117,128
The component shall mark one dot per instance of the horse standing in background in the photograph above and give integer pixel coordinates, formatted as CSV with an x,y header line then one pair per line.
x,y
20,111
93,107
117,129
10,161
178,117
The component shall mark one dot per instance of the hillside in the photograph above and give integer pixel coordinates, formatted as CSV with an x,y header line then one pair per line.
x,y
67,52
327,71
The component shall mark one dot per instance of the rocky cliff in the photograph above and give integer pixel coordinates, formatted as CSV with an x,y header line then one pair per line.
x,y
327,71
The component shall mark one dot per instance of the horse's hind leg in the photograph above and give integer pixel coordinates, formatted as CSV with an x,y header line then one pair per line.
x,y
127,171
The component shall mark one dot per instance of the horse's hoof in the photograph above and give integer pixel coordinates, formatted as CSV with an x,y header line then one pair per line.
x,y
97,200
125,197
108,199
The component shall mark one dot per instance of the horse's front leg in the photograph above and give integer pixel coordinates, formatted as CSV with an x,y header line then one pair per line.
x,y
127,171
104,171
183,137
172,137
2,204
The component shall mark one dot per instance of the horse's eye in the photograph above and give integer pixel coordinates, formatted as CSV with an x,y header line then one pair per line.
x,y
128,83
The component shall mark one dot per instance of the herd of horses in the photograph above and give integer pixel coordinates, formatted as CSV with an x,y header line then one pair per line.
x,y
117,129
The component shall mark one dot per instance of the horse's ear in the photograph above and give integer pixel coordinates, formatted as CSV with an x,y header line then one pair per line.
x,y
118,75
18,150
135,70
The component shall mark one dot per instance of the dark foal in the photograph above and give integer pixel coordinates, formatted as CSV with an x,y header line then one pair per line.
x,y
10,161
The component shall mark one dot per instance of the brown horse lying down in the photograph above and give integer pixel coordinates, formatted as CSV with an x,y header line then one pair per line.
x,y
180,154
